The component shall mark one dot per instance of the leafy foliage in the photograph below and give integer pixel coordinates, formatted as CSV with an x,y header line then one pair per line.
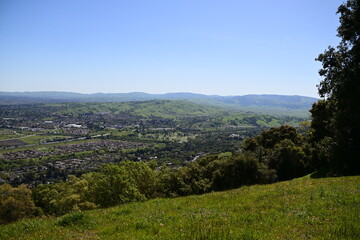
x,y
64,197
113,185
283,150
15,203
337,117
216,173
288,159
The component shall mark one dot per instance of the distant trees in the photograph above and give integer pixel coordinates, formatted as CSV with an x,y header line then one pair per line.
x,y
336,118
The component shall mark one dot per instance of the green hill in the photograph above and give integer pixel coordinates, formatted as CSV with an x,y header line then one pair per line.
x,y
156,108
205,116
304,208
296,106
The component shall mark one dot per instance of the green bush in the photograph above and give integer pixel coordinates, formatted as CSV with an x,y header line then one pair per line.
x,y
15,203
113,185
73,218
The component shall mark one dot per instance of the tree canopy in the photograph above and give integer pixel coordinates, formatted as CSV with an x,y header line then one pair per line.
x,y
338,116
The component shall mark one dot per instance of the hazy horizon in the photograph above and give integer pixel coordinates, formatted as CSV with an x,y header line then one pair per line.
x,y
195,93
222,48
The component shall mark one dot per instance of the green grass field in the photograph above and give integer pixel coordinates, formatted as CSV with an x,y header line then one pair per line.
x,y
304,208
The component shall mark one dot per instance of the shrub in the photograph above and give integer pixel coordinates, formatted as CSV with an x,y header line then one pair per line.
x,y
15,203
73,218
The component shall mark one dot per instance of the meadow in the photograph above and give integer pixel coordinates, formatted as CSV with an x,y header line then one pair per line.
x,y
302,208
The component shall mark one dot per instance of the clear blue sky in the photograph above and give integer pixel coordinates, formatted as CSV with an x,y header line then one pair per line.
x,y
227,47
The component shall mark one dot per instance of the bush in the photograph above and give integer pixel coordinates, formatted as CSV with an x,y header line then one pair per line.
x,y
64,197
15,203
113,185
73,218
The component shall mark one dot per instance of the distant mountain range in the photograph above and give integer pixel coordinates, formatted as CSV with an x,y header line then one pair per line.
x,y
265,103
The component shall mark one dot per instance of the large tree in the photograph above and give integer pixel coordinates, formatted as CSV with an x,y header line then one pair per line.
x,y
340,88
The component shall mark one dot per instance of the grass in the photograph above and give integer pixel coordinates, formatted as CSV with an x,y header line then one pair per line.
x,y
304,208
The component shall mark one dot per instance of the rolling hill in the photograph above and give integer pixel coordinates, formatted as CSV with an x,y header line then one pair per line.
x,y
269,104
179,111
303,208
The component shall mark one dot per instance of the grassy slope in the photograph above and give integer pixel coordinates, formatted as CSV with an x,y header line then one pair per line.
x,y
303,208
259,109
179,109
159,108
270,104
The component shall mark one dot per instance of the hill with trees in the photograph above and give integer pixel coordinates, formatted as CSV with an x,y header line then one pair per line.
x,y
266,103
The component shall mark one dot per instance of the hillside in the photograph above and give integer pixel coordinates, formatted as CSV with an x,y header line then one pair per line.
x,y
155,108
180,111
304,208
269,104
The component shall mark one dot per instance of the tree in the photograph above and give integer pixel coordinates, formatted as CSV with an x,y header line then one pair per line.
x,y
269,138
340,88
282,150
112,185
64,197
145,178
15,203
288,159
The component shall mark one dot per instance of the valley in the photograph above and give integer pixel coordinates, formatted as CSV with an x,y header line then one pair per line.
x,y
44,143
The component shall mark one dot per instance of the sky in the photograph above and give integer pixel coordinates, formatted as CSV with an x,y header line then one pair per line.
x,y
222,47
